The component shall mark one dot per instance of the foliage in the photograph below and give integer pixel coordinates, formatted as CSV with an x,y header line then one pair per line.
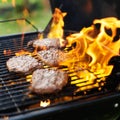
x,y
36,11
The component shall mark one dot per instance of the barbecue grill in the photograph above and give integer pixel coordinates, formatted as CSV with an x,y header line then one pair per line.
x,y
17,103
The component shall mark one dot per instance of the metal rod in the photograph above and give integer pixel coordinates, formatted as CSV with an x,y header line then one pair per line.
x,y
12,20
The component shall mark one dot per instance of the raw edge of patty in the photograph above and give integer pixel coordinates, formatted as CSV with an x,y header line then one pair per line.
x,y
23,64
45,81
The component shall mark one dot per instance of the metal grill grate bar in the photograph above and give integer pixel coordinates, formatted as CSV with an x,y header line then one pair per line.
x,y
12,99
13,87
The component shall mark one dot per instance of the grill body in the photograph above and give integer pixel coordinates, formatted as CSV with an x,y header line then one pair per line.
x,y
17,103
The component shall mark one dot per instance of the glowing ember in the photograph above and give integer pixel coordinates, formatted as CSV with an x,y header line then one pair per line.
x,y
7,52
45,103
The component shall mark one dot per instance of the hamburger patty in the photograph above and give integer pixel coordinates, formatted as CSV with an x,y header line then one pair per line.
x,y
47,43
23,64
51,57
46,81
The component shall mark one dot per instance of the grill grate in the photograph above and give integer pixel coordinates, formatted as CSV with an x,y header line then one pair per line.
x,y
14,89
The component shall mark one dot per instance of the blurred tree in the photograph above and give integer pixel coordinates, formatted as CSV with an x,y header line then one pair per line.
x,y
27,4
46,4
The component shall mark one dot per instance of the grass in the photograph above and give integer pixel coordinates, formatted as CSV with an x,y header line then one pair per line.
x,y
37,13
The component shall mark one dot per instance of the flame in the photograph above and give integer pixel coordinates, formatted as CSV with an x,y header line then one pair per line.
x,y
92,52
45,103
7,52
23,52
56,30
29,78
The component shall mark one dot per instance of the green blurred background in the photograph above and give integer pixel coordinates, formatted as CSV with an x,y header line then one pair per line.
x,y
38,12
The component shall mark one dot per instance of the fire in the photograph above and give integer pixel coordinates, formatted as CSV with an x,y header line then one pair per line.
x,y
23,52
56,30
92,52
57,25
28,78
7,52
45,103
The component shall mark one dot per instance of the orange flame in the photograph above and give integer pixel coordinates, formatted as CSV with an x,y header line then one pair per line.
x,y
94,48
57,25
23,52
7,52
56,30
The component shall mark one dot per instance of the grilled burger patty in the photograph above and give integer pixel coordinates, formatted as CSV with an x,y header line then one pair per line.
x,y
23,64
46,81
47,43
51,57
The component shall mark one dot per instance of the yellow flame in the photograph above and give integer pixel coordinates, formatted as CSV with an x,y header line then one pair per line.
x,y
94,48
91,50
56,30
23,52
45,103
57,25
29,78
7,52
